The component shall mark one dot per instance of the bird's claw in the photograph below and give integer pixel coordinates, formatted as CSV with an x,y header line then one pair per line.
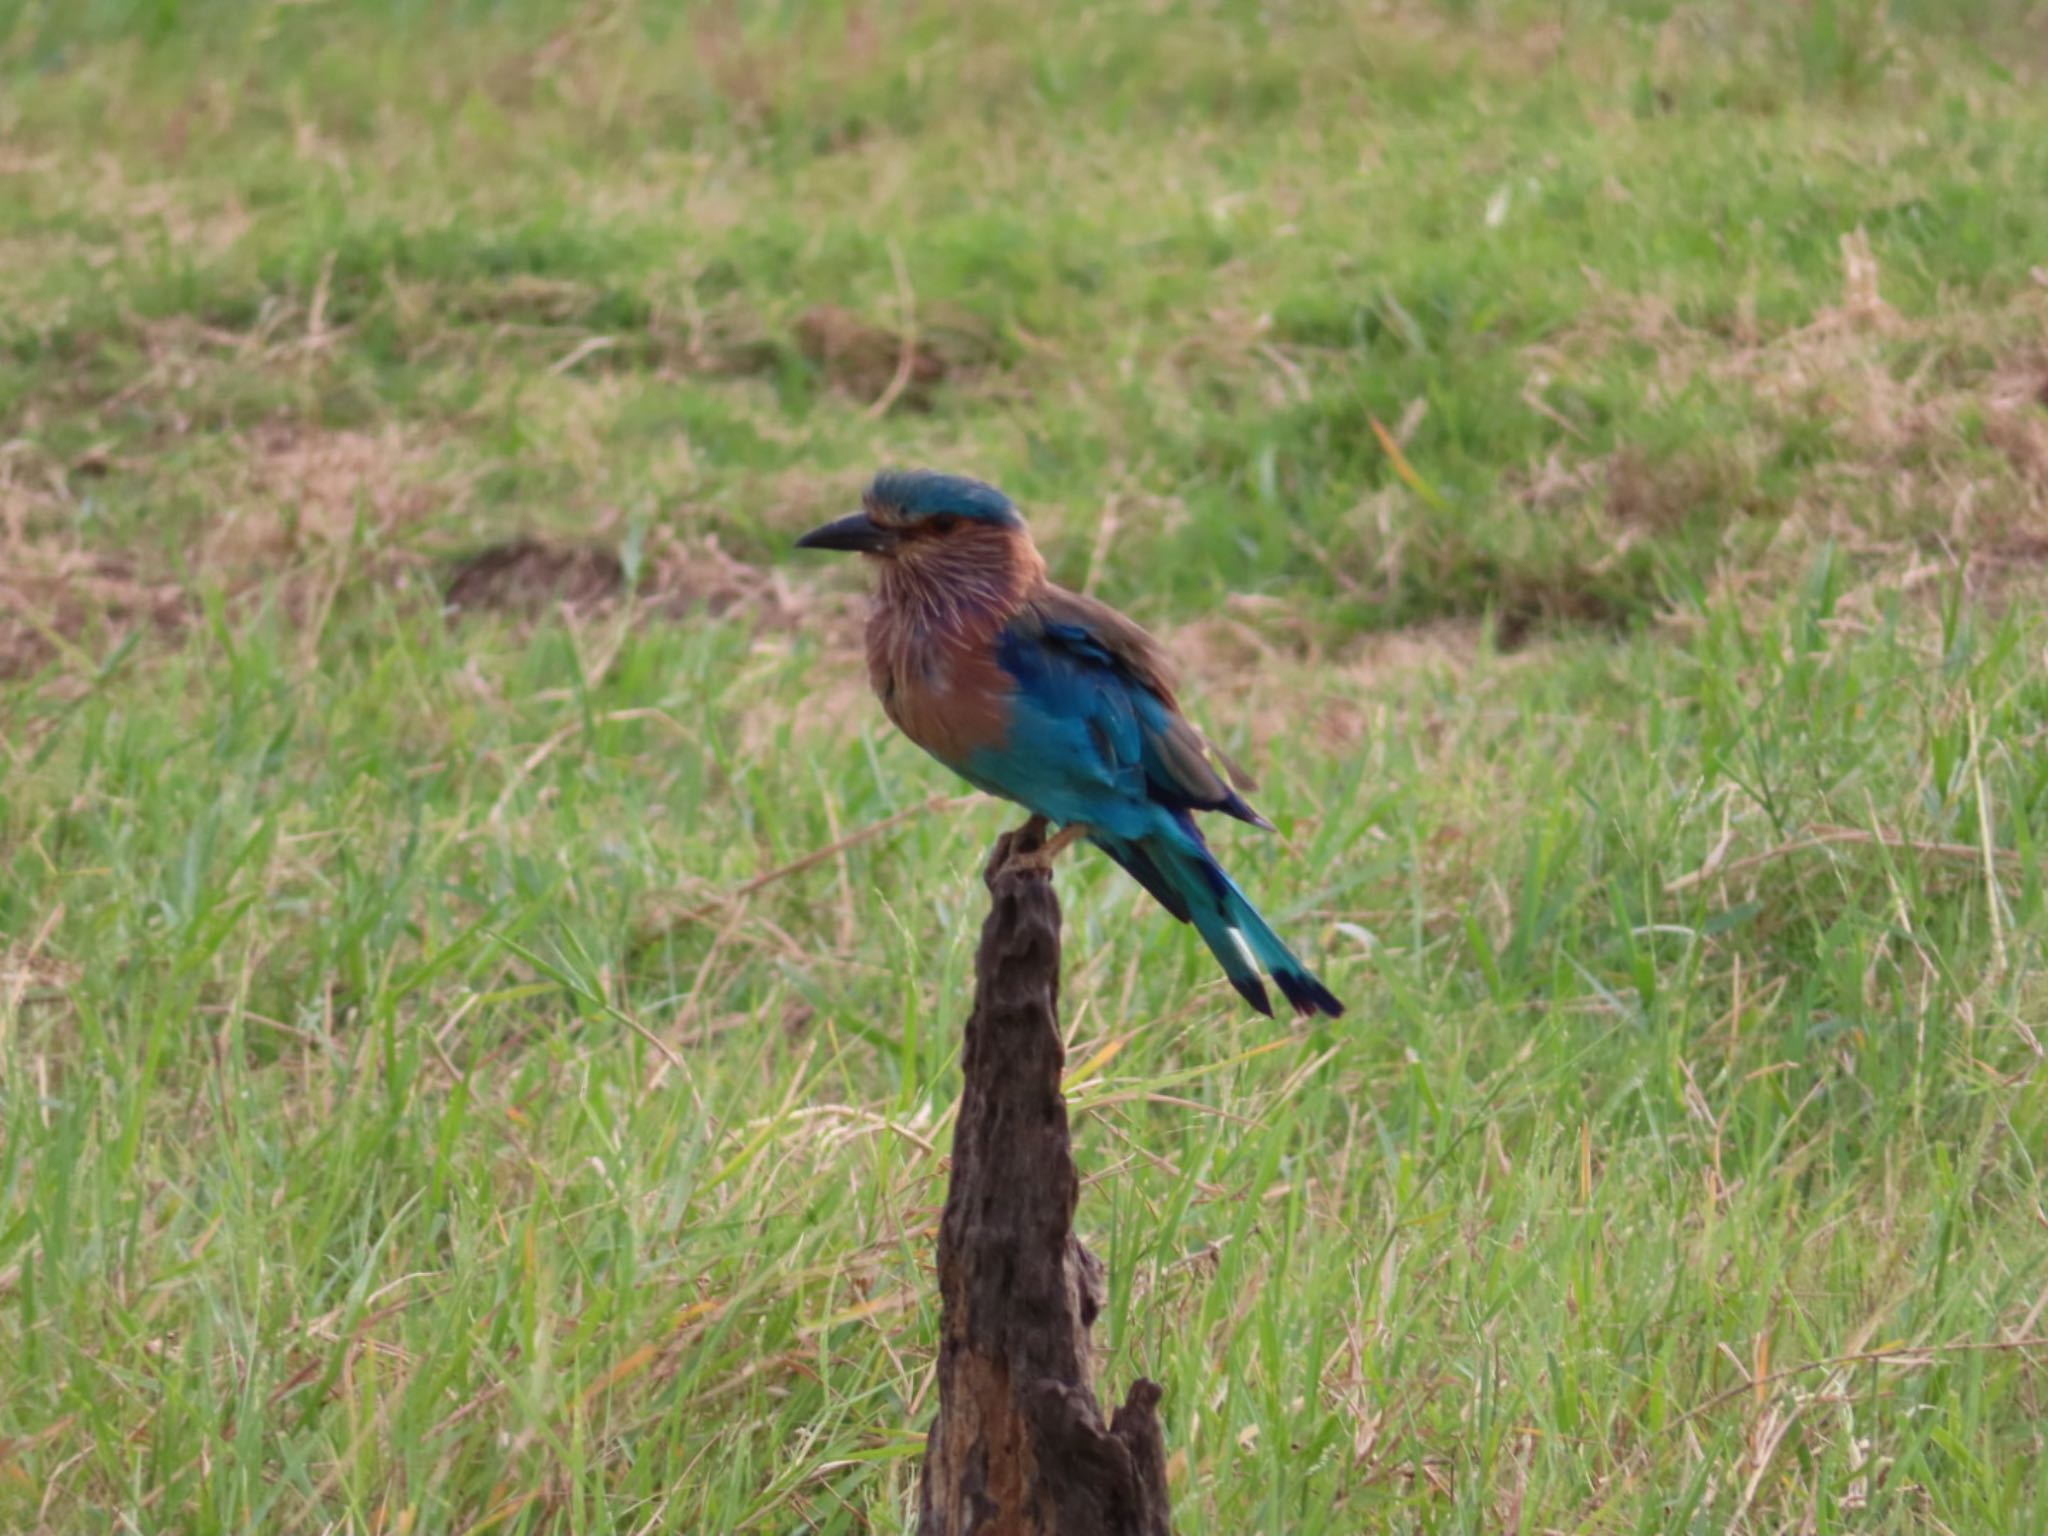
x,y
1037,856
1064,839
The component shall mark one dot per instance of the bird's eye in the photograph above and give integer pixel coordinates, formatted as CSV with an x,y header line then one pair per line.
x,y
945,522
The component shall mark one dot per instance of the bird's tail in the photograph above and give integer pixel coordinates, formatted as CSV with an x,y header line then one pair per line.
x,y
1178,869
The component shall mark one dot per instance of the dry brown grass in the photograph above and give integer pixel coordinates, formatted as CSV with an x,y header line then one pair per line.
x,y
303,490
30,974
296,508
1909,406
52,597
2016,417
686,574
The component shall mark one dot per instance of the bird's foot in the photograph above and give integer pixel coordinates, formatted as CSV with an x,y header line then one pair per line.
x,y
1028,850
1064,839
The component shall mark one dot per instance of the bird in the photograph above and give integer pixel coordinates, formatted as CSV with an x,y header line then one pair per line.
x,y
1053,700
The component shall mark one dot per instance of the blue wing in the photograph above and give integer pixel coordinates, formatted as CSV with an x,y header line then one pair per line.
x,y
1094,737
1094,716
1075,746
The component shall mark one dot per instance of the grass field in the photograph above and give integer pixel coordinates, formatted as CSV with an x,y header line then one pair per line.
x,y
1592,460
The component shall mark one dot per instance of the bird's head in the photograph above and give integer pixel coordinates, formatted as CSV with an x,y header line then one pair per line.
x,y
922,524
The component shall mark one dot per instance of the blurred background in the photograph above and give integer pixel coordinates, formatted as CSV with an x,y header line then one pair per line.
x,y
479,980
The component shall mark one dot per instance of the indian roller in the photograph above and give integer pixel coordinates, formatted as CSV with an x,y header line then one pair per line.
x,y
1055,701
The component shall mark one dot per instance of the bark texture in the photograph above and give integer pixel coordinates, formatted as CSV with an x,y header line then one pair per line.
x,y
1020,1447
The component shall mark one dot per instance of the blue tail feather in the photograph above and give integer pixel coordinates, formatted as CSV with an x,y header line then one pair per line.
x,y
1178,869
1139,865
1296,982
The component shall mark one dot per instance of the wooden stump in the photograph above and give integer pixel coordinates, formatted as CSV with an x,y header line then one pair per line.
x,y
1019,1447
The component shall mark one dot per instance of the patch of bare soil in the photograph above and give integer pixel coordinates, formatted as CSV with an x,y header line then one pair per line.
x,y
865,359
887,366
1657,495
679,577
529,575
1534,606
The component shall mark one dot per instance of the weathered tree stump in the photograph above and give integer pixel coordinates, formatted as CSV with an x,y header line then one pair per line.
x,y
1019,1447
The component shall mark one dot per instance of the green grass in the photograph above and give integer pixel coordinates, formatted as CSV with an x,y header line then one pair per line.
x,y
416,1114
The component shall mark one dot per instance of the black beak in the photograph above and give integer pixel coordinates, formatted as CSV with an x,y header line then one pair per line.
x,y
858,532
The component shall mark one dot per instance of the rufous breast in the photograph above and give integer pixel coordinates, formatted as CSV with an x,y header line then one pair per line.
x,y
942,685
